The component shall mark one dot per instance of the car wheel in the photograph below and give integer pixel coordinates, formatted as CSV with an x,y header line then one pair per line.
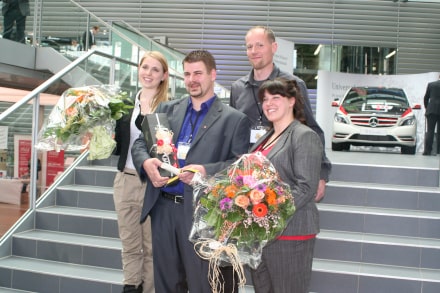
x,y
408,150
340,146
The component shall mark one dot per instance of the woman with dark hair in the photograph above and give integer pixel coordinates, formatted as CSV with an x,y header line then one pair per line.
x,y
296,151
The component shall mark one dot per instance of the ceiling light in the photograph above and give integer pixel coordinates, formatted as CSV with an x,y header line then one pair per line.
x,y
390,54
317,50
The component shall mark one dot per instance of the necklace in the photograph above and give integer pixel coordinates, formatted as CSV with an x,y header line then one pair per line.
x,y
271,142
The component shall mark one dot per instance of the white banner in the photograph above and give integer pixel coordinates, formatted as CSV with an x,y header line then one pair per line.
x,y
333,85
3,137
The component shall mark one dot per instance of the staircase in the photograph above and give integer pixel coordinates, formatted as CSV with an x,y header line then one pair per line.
x,y
380,225
380,230
72,244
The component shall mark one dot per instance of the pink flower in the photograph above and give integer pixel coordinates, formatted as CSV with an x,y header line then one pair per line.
x,y
242,201
256,196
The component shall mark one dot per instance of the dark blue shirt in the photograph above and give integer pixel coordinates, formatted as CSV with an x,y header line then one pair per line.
x,y
191,123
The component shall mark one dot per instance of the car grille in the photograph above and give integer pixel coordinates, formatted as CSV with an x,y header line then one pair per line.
x,y
372,137
365,121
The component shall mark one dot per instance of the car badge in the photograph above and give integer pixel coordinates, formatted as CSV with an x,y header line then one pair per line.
x,y
373,121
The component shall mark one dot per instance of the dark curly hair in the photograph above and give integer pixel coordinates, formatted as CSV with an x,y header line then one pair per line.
x,y
286,88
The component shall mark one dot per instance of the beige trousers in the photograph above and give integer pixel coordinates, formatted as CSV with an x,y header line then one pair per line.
x,y
137,252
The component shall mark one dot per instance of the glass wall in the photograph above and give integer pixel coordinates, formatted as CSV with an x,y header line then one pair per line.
x,y
339,58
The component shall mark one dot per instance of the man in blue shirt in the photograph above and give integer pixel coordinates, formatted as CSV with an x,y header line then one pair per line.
x,y
209,136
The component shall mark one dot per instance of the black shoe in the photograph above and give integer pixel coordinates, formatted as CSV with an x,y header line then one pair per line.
x,y
132,289
426,153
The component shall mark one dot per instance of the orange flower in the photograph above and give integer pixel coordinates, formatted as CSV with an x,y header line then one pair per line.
x,y
231,190
271,197
214,191
242,201
260,210
71,111
80,98
256,196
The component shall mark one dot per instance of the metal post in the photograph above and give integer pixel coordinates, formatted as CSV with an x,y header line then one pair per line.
x,y
36,30
34,155
87,33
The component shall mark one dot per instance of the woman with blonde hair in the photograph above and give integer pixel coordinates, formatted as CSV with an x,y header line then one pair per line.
x,y
128,195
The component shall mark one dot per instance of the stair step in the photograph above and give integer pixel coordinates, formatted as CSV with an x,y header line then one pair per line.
x,y
383,195
370,167
412,223
76,239
69,248
376,270
95,175
50,276
82,212
342,276
78,220
86,196
379,239
380,249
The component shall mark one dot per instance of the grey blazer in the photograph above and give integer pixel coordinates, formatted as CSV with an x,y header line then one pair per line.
x,y
222,137
297,158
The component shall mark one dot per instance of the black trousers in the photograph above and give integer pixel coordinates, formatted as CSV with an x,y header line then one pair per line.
x,y
230,280
432,120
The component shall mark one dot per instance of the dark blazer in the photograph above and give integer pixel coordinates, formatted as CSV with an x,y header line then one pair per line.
x,y
432,98
92,41
122,138
222,137
23,5
297,158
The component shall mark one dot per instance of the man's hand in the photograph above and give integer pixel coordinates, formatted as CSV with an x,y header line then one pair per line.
x,y
321,191
151,167
186,177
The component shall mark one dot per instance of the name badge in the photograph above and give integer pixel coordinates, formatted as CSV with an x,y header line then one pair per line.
x,y
256,133
182,150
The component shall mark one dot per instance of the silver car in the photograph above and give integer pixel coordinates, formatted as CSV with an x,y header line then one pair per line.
x,y
374,116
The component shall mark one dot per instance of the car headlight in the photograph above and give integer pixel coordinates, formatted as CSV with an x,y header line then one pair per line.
x,y
409,121
340,118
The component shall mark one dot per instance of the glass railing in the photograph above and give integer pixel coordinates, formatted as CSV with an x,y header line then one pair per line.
x,y
26,173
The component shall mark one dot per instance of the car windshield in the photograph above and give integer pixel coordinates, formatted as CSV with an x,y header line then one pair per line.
x,y
377,100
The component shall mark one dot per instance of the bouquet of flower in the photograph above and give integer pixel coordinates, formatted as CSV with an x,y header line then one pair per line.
x,y
239,210
85,117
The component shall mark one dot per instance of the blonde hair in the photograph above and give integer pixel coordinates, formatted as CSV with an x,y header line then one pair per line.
x,y
162,91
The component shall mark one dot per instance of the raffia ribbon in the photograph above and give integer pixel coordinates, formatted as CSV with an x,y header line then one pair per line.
x,y
211,250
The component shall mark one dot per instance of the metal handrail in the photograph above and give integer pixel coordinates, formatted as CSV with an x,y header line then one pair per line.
x,y
45,85
35,96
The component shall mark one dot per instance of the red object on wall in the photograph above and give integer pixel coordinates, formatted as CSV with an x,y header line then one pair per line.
x,y
24,155
54,165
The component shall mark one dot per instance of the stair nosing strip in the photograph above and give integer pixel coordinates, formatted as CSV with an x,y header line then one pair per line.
x,y
362,270
404,213
430,243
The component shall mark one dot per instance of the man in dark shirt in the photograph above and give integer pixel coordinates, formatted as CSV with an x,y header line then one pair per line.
x,y
15,11
261,47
